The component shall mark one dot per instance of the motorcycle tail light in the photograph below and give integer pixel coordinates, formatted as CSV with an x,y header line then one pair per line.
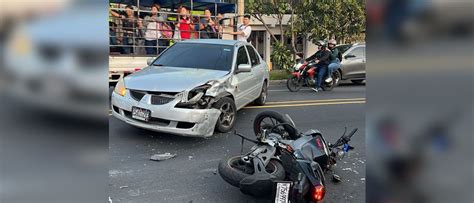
x,y
318,192
289,148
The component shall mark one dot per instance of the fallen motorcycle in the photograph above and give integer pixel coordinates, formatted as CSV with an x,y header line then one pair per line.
x,y
283,162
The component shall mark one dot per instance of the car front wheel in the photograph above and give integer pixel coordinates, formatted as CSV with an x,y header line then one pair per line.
x,y
226,119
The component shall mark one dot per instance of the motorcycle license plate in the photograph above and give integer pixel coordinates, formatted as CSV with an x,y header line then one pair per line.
x,y
282,191
140,114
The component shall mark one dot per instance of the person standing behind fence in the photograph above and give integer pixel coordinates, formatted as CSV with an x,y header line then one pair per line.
x,y
129,24
219,26
195,28
243,30
153,24
207,27
184,24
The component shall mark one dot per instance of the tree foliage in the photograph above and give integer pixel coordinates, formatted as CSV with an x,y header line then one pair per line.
x,y
315,19
342,20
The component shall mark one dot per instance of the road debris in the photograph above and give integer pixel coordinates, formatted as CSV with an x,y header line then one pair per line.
x,y
190,157
161,157
124,186
110,200
350,169
215,172
134,193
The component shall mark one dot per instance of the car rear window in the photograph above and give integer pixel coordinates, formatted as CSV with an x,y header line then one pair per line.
x,y
196,55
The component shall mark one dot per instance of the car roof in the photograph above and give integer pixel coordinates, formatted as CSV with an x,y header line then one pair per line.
x,y
215,41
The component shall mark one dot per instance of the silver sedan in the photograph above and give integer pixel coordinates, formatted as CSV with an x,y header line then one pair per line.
x,y
193,88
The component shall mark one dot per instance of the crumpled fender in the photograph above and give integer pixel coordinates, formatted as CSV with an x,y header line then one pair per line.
x,y
207,129
222,87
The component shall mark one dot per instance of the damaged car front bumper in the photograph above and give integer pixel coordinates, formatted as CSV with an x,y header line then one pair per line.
x,y
164,115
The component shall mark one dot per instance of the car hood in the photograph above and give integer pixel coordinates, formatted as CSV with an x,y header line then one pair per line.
x,y
171,79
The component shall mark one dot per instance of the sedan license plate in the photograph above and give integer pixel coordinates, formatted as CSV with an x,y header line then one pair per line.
x,y
282,192
140,114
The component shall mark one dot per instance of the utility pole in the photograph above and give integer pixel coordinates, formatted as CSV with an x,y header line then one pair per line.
x,y
240,9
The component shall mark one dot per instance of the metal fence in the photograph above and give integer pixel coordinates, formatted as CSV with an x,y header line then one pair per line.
x,y
128,34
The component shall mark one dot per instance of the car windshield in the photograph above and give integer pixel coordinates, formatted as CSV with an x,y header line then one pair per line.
x,y
343,48
197,55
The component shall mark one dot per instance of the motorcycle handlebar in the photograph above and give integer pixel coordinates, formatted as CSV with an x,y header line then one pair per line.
x,y
344,138
351,134
280,124
245,138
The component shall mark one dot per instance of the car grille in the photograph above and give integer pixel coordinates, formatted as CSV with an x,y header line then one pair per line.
x,y
159,100
137,95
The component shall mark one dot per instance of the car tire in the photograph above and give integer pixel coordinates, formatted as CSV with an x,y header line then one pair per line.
x,y
226,119
357,82
233,175
337,76
260,101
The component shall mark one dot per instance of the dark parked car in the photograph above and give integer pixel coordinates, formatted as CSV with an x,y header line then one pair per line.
x,y
353,62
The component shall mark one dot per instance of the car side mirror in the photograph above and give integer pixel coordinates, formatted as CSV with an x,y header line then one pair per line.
x,y
149,61
244,68
349,56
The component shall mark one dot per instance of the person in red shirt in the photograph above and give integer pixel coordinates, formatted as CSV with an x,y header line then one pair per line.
x,y
184,24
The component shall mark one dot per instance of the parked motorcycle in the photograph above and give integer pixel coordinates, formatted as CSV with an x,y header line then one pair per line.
x,y
283,162
304,74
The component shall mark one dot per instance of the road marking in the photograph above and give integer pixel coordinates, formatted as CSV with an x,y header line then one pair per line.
x,y
306,104
316,101
279,90
297,103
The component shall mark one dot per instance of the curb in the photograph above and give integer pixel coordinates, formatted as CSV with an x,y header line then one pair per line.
x,y
277,82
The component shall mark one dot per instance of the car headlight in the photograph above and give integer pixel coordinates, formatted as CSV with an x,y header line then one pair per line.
x,y
120,87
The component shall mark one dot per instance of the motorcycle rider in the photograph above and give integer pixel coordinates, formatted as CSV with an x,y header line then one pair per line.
x,y
335,62
321,58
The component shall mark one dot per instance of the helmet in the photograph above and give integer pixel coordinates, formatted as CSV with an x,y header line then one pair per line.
x,y
321,43
332,41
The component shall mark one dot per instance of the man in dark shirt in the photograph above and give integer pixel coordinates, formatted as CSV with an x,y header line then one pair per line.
x,y
129,25
321,58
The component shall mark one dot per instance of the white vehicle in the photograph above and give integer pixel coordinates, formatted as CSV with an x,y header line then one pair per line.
x,y
192,88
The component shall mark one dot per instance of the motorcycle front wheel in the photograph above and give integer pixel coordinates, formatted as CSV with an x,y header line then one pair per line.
x,y
234,170
269,119
294,83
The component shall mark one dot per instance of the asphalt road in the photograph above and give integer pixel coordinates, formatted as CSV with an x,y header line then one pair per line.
x,y
191,175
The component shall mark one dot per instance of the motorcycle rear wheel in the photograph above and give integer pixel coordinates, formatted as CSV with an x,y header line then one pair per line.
x,y
233,170
294,84
328,86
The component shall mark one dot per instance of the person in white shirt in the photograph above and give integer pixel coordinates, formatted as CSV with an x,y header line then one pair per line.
x,y
243,30
153,25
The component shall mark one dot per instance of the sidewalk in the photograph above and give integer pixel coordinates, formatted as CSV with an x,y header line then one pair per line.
x,y
277,82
